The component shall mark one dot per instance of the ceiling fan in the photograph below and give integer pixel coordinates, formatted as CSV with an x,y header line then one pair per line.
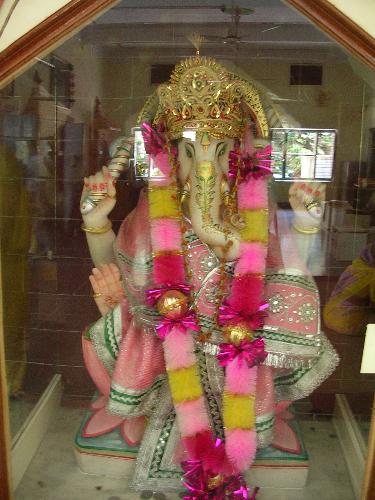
x,y
232,37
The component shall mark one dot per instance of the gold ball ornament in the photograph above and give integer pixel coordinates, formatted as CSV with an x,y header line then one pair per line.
x,y
173,304
215,481
236,333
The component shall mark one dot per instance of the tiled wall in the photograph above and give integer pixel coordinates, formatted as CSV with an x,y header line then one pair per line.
x,y
61,305
45,258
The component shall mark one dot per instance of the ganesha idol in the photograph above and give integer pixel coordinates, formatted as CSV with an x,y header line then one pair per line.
x,y
205,337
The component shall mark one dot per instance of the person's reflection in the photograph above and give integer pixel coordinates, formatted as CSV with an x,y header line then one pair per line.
x,y
15,240
38,169
351,303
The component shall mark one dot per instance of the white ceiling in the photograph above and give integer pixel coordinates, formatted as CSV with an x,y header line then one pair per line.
x,y
272,30
192,11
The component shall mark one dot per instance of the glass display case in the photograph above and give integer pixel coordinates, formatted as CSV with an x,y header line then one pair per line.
x,y
265,121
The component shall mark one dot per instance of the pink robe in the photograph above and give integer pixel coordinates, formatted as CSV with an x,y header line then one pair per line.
x,y
125,357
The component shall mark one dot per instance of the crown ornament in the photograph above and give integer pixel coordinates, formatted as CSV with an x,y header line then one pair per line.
x,y
204,96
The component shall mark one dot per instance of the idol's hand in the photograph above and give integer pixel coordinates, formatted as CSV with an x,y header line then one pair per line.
x,y
106,284
101,188
306,199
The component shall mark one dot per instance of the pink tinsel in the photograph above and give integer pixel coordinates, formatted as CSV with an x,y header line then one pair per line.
x,y
198,445
256,164
197,481
154,140
182,325
252,258
154,294
211,453
165,234
250,352
233,164
228,315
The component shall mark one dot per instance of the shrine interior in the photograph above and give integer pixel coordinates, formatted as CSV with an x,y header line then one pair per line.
x,y
57,122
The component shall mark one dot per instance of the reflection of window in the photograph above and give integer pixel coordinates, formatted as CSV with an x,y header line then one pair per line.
x,y
299,153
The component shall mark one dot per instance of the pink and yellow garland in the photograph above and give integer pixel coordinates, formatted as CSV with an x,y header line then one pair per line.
x,y
243,308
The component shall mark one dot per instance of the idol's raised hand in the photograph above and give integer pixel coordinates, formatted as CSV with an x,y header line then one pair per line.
x,y
306,200
98,198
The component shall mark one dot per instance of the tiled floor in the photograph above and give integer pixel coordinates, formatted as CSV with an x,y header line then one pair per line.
x,y
54,475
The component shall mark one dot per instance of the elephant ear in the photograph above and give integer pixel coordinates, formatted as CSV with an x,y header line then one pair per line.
x,y
251,104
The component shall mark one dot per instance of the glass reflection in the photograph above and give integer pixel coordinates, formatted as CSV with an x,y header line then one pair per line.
x,y
28,137
55,132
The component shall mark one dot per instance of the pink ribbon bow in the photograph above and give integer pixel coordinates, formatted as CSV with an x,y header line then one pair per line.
x,y
252,352
196,481
187,322
256,165
234,163
154,142
154,294
228,315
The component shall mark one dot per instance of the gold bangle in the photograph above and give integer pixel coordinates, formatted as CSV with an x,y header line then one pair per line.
x,y
96,295
97,230
121,163
125,148
306,230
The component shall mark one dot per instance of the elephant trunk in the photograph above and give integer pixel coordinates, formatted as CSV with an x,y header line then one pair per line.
x,y
205,202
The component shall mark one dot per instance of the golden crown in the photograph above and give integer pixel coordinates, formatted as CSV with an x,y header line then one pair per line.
x,y
204,96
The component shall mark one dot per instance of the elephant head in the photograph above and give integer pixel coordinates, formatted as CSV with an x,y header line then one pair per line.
x,y
206,109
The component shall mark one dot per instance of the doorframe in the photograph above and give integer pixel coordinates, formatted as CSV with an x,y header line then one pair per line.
x,y
48,34
5,457
69,20
339,27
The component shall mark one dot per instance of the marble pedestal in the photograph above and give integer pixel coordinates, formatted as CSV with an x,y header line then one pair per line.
x,y
110,456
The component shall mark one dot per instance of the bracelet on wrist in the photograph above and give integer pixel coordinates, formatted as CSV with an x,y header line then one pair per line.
x,y
97,230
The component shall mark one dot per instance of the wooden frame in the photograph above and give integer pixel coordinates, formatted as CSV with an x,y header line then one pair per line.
x,y
49,33
70,19
368,487
339,27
